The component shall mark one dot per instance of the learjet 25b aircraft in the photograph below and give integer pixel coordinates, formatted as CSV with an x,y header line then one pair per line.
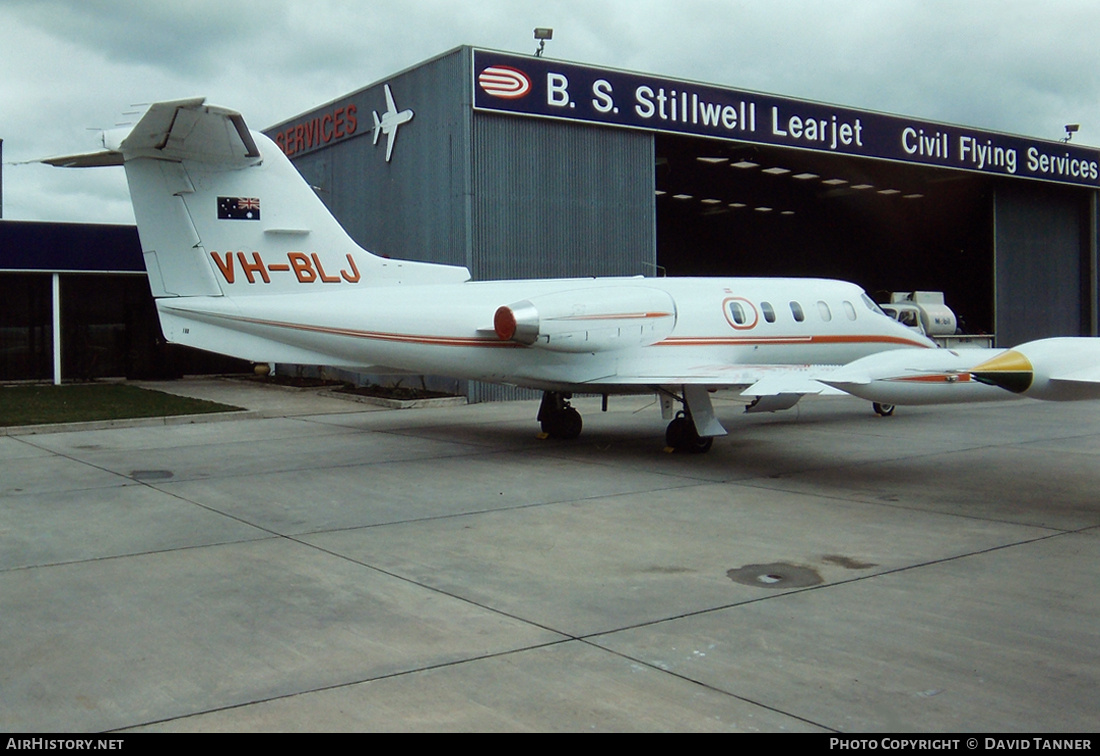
x,y
244,259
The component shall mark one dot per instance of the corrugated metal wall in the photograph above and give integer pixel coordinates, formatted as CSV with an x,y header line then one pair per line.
x,y
415,206
1041,261
557,199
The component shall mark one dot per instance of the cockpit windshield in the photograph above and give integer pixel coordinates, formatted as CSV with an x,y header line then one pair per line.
x,y
872,306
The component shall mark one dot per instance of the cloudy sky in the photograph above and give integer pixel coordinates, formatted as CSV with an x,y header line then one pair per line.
x,y
71,67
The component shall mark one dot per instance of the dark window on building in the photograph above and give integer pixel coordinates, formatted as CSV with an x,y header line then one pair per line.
x,y
26,335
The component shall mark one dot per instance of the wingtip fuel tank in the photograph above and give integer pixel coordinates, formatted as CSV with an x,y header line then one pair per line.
x,y
1058,369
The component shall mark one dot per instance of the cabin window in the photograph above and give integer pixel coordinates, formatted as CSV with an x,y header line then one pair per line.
x,y
737,313
849,310
741,313
769,311
824,311
796,310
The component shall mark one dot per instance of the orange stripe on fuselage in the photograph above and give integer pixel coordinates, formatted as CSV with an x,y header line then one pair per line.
x,y
407,338
619,316
946,378
784,340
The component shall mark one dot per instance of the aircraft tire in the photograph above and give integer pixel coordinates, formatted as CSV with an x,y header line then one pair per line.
x,y
681,436
883,410
565,424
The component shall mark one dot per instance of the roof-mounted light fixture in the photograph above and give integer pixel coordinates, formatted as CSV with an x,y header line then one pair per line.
x,y
542,34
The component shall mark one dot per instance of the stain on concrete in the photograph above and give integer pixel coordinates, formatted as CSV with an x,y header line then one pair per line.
x,y
778,575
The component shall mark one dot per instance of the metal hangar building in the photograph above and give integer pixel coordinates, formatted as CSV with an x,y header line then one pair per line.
x,y
520,166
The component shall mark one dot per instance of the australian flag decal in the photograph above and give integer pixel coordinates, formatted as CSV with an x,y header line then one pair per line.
x,y
238,208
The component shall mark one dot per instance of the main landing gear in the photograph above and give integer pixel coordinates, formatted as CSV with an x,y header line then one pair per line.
x,y
693,428
561,420
681,436
557,417
882,410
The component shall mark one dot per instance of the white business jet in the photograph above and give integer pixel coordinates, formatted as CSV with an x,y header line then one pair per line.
x,y
389,122
245,260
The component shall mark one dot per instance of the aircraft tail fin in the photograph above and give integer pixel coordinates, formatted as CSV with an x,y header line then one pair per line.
x,y
221,211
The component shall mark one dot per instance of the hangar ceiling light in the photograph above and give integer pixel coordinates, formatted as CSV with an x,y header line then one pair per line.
x,y
713,160
805,176
744,164
776,171
834,182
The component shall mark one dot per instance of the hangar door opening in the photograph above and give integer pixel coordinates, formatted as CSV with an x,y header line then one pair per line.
x,y
725,209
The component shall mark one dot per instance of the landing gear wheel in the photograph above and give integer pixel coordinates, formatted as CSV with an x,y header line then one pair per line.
x,y
557,418
565,424
677,431
681,436
883,410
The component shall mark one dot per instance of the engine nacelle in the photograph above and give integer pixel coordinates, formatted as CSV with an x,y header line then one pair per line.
x,y
589,320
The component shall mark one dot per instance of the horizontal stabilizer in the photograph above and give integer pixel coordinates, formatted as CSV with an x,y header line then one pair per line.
x,y
191,130
101,159
179,130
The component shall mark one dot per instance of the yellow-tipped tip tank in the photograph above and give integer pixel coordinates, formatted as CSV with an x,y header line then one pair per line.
x,y
1011,371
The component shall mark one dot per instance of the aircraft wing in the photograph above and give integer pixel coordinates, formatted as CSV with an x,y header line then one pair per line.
x,y
755,380
1090,375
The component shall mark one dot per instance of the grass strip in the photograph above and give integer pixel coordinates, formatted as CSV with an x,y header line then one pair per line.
x,y
40,405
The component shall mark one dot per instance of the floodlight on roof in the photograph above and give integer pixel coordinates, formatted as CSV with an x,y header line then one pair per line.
x,y
542,34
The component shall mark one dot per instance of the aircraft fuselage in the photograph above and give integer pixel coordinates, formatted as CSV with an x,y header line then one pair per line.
x,y
661,331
